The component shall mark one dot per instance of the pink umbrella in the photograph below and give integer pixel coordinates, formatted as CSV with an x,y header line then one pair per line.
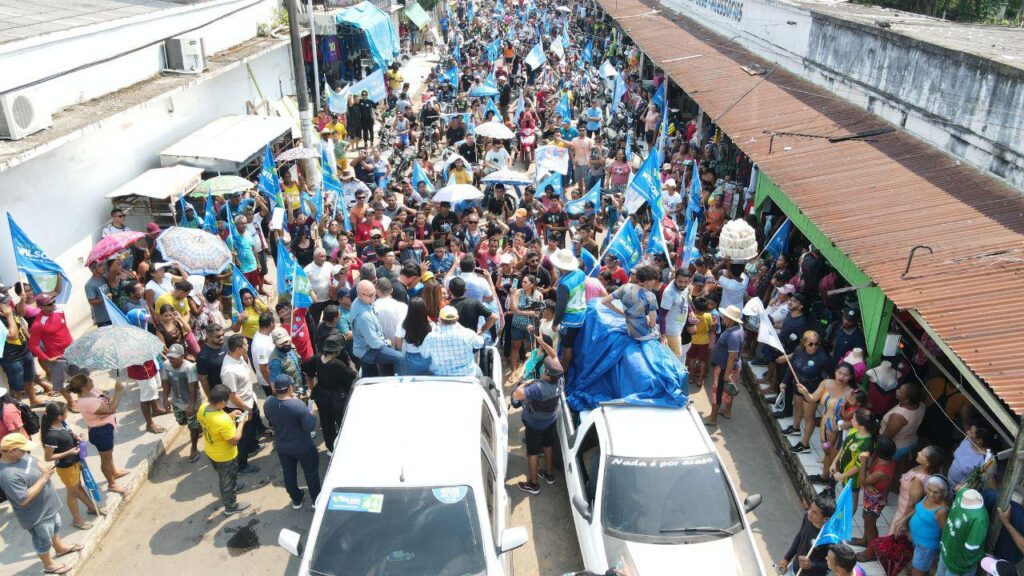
x,y
112,245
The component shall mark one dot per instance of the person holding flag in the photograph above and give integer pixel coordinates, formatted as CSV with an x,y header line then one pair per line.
x,y
805,554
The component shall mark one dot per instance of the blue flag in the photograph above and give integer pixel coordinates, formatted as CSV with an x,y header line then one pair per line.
x,y
233,235
695,205
452,76
629,145
302,290
689,252
547,27
494,50
839,527
337,103
519,108
239,283
374,85
578,206
491,80
117,317
210,217
536,58
457,55
564,109
470,11
491,107
589,262
183,220
780,240
618,91
647,184
419,175
588,53
269,184
626,246
554,180
659,96
313,204
285,262
33,262
656,241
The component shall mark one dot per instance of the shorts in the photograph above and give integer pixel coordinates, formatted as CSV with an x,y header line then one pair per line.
x,y
873,504
59,372
149,389
43,533
518,334
698,352
924,558
19,372
185,420
70,476
538,440
567,336
102,437
901,452
674,345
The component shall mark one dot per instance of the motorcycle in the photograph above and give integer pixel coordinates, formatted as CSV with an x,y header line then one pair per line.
x,y
527,144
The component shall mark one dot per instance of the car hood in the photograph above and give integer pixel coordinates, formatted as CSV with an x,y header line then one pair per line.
x,y
733,556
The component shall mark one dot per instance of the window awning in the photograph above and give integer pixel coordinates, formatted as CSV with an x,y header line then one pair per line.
x,y
227,144
161,183
874,190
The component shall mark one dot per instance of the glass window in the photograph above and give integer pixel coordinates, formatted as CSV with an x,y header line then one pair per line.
x,y
489,493
400,531
588,461
668,498
487,428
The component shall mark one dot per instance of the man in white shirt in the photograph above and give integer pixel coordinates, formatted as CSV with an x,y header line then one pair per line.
x,y
234,373
497,157
676,300
261,349
320,273
673,200
116,223
390,312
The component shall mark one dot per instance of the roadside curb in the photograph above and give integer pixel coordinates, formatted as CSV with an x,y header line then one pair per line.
x,y
139,475
790,462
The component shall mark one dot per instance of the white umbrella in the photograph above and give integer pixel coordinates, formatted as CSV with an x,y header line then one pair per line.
x,y
495,130
455,193
510,177
297,153
447,162
563,8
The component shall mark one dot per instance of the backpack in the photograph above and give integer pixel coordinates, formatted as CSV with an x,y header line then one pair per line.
x,y
29,419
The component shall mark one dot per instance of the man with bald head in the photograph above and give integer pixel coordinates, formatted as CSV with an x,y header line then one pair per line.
x,y
376,356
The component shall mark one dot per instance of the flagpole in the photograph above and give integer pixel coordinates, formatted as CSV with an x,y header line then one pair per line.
x,y
770,240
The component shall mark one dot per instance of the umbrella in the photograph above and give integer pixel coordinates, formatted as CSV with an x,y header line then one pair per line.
x,y
297,153
114,348
197,251
495,130
447,162
456,193
510,177
563,8
482,91
221,185
112,244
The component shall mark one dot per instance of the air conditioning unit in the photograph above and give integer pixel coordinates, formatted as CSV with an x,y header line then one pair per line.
x,y
185,54
21,114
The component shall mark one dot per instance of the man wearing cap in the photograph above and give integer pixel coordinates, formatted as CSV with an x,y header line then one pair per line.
x,y
444,222
844,335
369,345
285,360
727,362
539,399
33,499
329,377
570,302
293,421
48,338
181,393
619,275
452,347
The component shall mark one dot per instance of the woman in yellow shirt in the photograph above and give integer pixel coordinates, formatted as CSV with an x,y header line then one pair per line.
x,y
248,320
700,345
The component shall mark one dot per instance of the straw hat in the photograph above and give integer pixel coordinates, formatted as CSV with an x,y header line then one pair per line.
x,y
564,260
732,312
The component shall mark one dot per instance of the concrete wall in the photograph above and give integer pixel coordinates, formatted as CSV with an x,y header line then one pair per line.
x,y
41,57
971,107
59,198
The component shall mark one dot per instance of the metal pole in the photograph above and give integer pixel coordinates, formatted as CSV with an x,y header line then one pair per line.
x,y
309,165
1008,485
316,65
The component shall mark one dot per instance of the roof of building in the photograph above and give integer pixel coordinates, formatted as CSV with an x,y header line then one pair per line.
x,y
20,19
874,197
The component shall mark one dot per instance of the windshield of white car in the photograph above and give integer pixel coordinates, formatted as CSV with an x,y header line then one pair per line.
x,y
668,498
399,532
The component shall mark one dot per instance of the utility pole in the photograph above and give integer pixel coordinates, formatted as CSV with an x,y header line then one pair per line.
x,y
309,165
316,71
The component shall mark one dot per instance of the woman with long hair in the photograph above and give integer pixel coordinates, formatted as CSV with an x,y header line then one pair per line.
x,y
100,414
171,329
526,307
61,445
433,298
410,336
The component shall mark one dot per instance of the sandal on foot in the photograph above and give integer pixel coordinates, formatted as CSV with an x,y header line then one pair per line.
x,y
193,457
62,569
83,526
72,550
156,430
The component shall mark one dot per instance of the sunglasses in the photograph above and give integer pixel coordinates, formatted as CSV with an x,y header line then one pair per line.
x,y
812,343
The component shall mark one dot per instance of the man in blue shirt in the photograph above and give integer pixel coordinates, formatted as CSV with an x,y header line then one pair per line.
x,y
727,361
440,260
376,356
293,422
539,399
593,117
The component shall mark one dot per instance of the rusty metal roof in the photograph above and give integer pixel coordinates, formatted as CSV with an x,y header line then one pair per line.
x,y
875,197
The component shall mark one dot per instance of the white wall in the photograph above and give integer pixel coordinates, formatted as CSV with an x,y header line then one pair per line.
x,y
40,57
59,198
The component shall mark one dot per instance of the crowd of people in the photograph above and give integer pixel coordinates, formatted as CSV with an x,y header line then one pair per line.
x,y
400,282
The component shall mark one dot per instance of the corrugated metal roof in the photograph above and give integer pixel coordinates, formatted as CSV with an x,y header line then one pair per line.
x,y
20,19
876,198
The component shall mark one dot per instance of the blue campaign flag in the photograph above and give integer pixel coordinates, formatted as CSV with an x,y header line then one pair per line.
x,y
659,95
285,263
629,145
457,54
519,108
626,246
491,107
690,251
313,204
490,80
554,180
618,91
536,58
694,204
239,283
117,317
588,53
564,109
494,50
470,12
589,262
373,84
33,262
839,527
656,241
452,76
269,183
547,27
419,175
302,290
337,102
183,220
210,217
578,206
780,240
647,184
90,483
233,235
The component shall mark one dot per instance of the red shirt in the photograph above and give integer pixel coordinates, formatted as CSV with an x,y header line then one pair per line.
x,y
363,231
142,371
49,336
300,335
619,277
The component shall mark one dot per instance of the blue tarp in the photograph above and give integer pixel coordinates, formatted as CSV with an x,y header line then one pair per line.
x,y
609,365
381,36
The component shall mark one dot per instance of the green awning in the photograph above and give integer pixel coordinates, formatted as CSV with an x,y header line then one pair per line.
x,y
416,13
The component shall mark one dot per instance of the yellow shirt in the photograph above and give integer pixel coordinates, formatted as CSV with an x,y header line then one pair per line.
x,y
218,428
291,195
180,305
703,333
395,80
339,129
461,176
251,325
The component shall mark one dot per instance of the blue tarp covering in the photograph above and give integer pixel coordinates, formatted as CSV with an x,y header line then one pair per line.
x,y
381,36
608,365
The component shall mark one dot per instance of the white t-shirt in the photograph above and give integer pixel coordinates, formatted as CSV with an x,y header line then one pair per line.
x,y
261,349
497,157
733,291
235,375
160,289
320,278
677,304
672,202
390,313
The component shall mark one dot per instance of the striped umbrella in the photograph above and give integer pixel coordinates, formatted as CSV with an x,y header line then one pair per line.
x,y
113,348
197,251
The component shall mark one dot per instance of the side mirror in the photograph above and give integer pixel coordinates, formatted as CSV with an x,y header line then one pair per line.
x,y
290,541
751,502
513,538
581,506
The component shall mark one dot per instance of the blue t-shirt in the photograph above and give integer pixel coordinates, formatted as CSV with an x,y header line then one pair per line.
x,y
730,341
292,422
593,116
243,249
637,303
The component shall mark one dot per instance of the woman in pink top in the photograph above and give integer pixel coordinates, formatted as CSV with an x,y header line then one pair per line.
x,y
618,173
901,422
100,415
651,120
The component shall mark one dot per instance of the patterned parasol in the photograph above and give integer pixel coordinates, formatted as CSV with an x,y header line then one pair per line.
x,y
197,251
114,348
111,245
297,153
221,185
